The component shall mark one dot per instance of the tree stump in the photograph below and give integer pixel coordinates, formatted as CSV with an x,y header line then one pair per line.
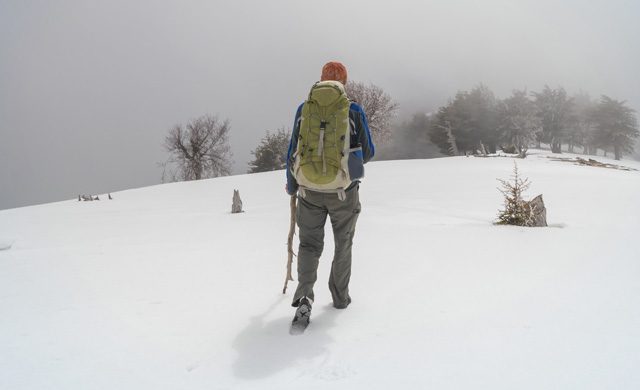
x,y
484,150
538,211
236,207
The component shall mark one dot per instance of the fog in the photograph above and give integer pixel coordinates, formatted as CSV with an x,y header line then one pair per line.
x,y
88,90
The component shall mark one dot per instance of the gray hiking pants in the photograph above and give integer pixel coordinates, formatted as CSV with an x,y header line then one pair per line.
x,y
311,216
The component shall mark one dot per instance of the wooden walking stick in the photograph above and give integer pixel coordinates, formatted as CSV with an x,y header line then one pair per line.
x,y
292,231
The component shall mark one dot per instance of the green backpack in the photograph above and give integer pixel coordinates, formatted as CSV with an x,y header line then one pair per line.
x,y
324,143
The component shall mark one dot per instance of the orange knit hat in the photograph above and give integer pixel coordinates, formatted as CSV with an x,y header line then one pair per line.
x,y
334,71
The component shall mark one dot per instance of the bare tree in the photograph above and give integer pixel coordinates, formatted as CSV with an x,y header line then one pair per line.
x,y
198,150
378,106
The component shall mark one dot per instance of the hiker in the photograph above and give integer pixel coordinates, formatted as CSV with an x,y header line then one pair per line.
x,y
315,202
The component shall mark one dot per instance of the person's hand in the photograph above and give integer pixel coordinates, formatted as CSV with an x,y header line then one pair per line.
x,y
286,188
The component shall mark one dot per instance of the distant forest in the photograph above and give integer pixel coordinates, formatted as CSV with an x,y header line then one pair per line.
x,y
476,122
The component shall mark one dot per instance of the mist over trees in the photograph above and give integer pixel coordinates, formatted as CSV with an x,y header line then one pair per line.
x,y
471,122
615,125
518,122
476,121
409,140
555,110
271,155
199,150
471,117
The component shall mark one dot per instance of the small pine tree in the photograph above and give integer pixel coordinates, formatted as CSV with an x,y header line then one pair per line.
x,y
517,211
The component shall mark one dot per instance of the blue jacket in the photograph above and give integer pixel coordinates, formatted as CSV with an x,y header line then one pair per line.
x,y
362,138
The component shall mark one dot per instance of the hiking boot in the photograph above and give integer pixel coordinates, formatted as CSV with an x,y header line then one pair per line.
x,y
303,314
343,306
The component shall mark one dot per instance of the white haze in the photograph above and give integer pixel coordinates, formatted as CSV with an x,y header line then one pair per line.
x,y
89,89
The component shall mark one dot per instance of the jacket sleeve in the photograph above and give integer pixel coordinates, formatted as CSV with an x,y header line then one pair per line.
x,y
362,134
292,184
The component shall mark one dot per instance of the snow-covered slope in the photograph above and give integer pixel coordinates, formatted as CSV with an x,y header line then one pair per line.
x,y
163,288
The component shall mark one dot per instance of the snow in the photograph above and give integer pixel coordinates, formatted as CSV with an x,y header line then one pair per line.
x,y
163,288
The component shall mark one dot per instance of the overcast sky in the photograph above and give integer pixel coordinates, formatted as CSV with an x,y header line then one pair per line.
x,y
88,89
